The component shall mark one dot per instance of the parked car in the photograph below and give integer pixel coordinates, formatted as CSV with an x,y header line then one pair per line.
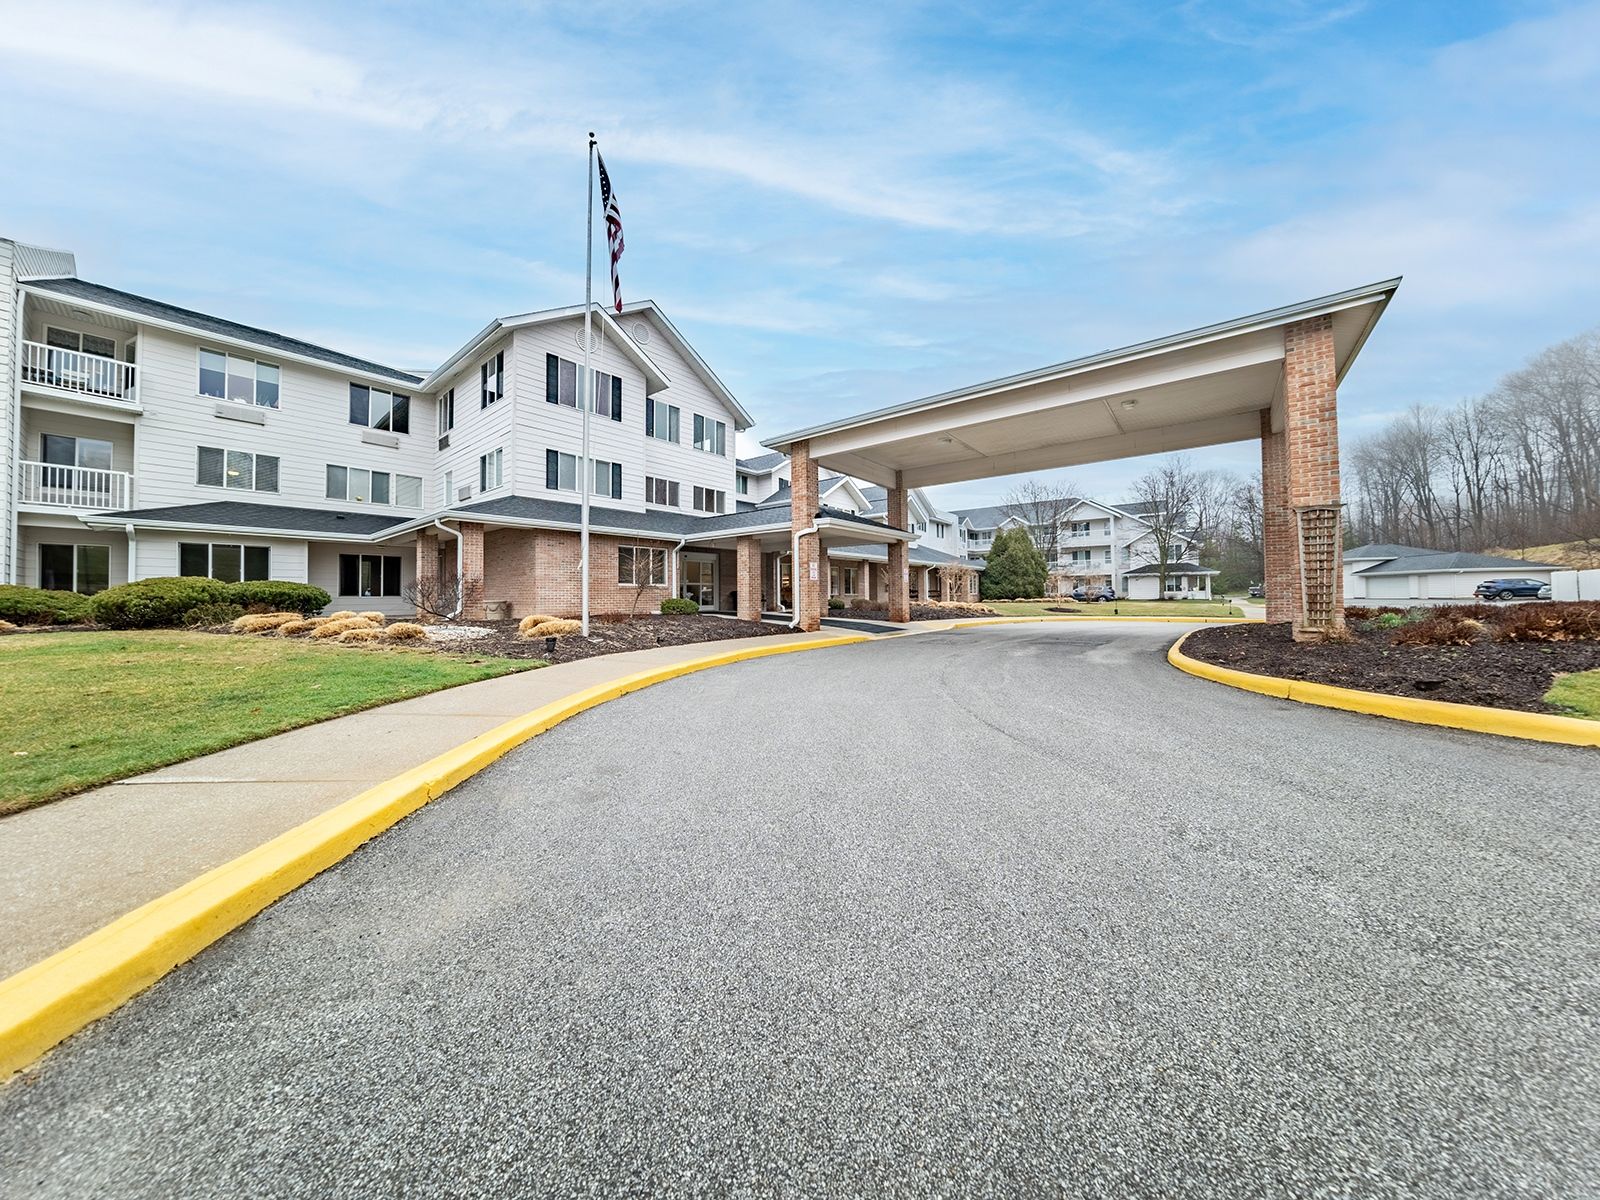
x,y
1506,589
1103,594
1256,591
1545,592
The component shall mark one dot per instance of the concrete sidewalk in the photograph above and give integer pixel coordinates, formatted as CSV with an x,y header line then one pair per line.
x,y
69,867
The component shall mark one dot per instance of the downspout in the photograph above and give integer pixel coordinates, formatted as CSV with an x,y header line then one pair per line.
x,y
677,550
461,591
794,569
133,551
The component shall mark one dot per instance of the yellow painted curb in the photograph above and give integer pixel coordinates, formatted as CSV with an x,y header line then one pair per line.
x,y
1538,727
980,622
51,1000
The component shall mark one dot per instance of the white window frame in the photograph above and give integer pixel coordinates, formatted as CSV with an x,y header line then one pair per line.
x,y
211,557
654,486
350,474
656,571
77,562
710,430
229,457
664,421
714,496
491,470
228,359
562,461
447,411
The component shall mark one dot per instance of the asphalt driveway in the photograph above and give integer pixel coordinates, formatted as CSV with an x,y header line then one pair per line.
x,y
1000,912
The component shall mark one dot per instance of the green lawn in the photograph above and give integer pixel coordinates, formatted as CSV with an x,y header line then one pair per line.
x,y
1577,694
1122,608
82,709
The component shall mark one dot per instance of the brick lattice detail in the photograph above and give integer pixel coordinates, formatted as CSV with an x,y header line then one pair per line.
x,y
748,579
899,571
810,583
1281,580
1311,454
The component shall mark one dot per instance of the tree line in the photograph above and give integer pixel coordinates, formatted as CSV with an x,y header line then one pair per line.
x,y
1519,466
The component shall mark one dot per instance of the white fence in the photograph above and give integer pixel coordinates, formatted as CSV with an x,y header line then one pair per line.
x,y
1575,585
74,487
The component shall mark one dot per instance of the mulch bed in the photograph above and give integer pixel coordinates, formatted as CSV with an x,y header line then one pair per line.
x,y
606,637
919,612
1493,674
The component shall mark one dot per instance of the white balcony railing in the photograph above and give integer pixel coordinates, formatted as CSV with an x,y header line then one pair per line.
x,y
74,371
74,487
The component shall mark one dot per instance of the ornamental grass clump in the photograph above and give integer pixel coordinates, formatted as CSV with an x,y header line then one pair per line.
x,y
1447,630
377,618
344,614
553,627
368,634
404,631
264,622
1566,621
295,628
332,629
530,621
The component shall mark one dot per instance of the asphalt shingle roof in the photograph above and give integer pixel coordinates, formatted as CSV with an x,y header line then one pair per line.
x,y
1173,568
1421,564
1385,550
82,289
762,463
245,515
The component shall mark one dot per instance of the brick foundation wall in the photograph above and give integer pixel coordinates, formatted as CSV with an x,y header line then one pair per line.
x,y
537,570
748,570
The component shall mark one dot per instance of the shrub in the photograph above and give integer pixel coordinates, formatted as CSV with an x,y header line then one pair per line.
x,y
6,626
529,621
405,631
279,595
36,606
156,603
1447,630
1571,621
555,627
361,635
377,618
835,604
1015,568
204,615
674,606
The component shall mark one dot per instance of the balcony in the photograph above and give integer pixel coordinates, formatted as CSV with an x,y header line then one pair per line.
x,y
84,374
50,485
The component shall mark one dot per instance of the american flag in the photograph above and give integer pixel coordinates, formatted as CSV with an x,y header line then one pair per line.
x,y
613,214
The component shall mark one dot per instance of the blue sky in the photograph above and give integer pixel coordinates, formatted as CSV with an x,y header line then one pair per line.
x,y
843,206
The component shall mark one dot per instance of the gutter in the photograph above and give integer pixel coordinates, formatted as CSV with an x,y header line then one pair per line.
x,y
461,591
794,569
133,550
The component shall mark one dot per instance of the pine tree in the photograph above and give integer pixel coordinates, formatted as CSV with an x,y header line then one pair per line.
x,y
1016,569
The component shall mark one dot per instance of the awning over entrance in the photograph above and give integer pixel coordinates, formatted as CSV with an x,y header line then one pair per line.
x,y
1199,388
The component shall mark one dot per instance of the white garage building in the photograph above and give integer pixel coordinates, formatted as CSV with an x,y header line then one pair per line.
x,y
1388,574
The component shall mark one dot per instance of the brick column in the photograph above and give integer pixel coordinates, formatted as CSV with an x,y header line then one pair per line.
x,y
427,552
824,577
747,552
899,552
1281,580
472,597
810,585
1311,454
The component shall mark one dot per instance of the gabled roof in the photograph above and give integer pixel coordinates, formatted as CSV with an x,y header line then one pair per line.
x,y
761,464
784,490
142,308
1428,561
655,378
741,419
1380,551
262,519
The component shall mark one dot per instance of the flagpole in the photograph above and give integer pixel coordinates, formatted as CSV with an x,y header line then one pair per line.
x,y
586,398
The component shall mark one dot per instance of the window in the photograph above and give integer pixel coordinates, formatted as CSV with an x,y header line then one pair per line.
x,y
742,485
847,578
86,343
641,566
62,454
941,529
369,575
375,408
363,486
243,380
238,470
447,412
560,381
492,380
710,436
660,491
560,471
447,495
489,470
709,500
607,396
224,560
607,479
75,568
661,420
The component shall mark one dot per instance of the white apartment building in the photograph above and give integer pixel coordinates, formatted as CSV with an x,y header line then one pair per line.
x,y
142,439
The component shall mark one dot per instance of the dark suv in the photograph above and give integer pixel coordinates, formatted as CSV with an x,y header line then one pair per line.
x,y
1506,589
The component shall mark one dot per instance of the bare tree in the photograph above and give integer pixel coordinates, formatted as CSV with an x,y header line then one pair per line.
x,y
437,597
1169,494
1042,508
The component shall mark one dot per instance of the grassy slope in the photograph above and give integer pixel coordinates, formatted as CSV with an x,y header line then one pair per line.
x,y
1124,608
1577,695
81,709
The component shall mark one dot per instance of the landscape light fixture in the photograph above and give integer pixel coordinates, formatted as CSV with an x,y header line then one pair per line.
x,y
549,645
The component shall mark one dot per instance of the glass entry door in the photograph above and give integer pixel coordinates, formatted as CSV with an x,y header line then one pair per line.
x,y
700,580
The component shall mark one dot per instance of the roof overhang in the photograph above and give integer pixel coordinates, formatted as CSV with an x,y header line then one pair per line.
x,y
1200,388
655,378
101,521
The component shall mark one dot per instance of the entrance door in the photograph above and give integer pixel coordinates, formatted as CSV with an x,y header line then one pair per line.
x,y
700,579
